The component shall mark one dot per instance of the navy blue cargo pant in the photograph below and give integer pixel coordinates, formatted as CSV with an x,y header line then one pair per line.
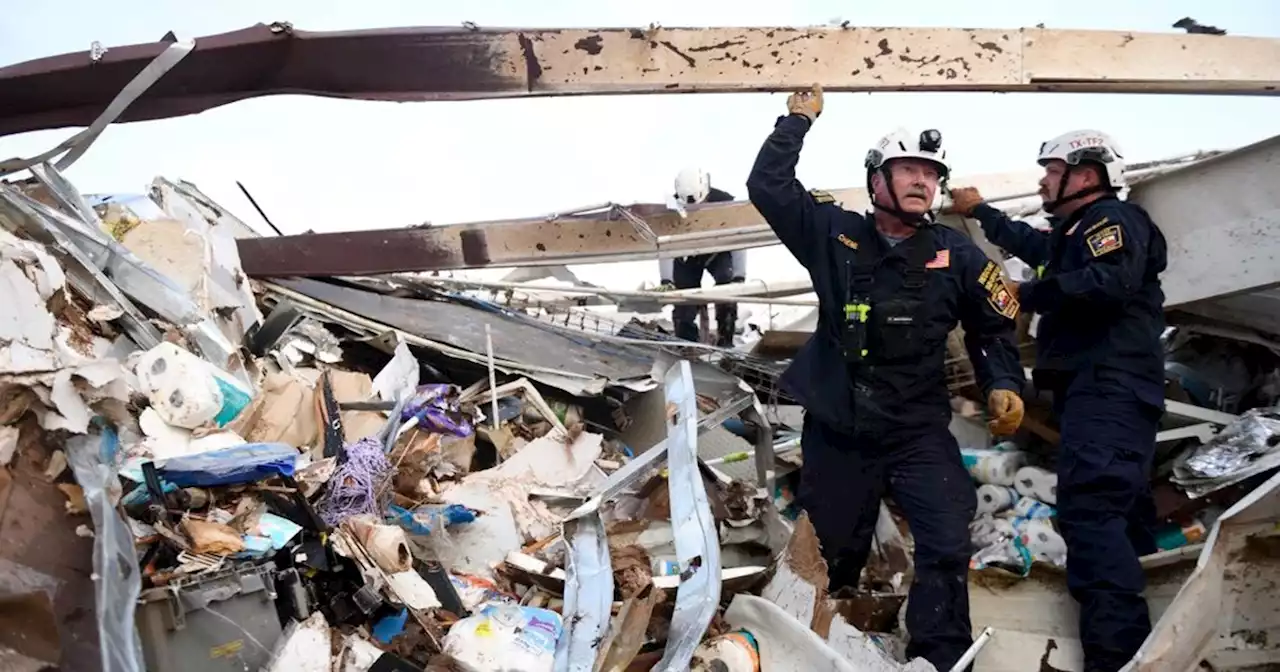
x,y
841,484
1106,511
688,275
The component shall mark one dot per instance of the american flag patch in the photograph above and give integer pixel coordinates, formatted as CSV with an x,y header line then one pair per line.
x,y
941,260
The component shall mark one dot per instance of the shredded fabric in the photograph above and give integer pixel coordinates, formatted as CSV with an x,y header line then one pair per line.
x,y
353,489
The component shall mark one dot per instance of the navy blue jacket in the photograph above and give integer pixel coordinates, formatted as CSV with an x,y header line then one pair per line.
x,y
1098,292
904,391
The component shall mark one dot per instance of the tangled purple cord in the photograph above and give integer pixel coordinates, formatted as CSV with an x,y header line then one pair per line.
x,y
353,487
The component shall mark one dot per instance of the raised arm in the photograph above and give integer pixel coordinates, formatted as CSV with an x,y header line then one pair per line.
x,y
773,188
1018,238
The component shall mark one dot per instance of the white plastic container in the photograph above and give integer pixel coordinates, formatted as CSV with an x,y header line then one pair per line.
x,y
187,391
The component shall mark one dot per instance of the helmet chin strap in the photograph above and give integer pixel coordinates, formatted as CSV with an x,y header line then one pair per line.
x,y
1063,197
912,219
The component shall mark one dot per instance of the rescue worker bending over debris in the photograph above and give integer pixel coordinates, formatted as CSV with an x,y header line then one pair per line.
x,y
1098,350
693,186
891,286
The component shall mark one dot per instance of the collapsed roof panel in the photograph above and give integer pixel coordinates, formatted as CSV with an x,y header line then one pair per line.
x,y
464,327
575,361
432,63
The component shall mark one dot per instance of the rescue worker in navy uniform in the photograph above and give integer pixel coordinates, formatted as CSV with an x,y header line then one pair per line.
x,y
891,285
1098,350
693,186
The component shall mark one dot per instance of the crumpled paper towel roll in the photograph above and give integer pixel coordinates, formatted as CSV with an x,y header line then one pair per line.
x,y
387,544
987,530
993,467
995,498
1037,483
1031,508
1044,542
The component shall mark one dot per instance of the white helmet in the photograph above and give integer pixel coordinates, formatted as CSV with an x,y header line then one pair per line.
x,y
693,185
1087,145
902,144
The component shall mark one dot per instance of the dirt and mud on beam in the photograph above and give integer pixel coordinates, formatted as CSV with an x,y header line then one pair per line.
x,y
419,64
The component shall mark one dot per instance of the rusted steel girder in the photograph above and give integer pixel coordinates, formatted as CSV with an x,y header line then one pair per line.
x,y
414,64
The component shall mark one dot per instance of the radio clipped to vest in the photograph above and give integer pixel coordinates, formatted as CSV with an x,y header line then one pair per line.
x,y
854,336
887,330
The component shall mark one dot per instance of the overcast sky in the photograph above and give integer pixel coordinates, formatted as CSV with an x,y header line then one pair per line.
x,y
331,165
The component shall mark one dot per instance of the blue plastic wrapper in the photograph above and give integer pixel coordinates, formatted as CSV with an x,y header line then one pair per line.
x,y
437,409
248,463
272,534
424,519
390,627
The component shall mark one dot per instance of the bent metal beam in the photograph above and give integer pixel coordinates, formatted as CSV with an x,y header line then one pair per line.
x,y
420,64
578,239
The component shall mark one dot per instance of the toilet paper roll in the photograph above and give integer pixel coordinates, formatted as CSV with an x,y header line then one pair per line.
x,y
387,545
1027,507
1043,542
995,498
991,467
1037,483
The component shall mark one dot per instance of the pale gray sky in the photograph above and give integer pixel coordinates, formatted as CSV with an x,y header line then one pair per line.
x,y
331,165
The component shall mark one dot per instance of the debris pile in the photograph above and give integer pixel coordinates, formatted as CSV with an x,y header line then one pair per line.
x,y
377,473
394,474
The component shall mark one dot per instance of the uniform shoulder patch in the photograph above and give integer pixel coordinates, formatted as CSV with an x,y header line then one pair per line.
x,y
1105,240
822,197
999,296
1003,301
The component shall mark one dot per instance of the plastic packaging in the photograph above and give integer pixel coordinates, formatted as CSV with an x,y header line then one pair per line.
x,y
187,391
231,466
1030,508
436,406
993,467
1043,542
424,519
505,638
476,591
117,584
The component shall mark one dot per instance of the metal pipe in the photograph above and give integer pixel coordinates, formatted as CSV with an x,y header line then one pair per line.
x,y
676,297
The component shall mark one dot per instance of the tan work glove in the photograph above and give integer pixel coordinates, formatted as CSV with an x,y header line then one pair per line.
x,y
1006,410
808,103
963,201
